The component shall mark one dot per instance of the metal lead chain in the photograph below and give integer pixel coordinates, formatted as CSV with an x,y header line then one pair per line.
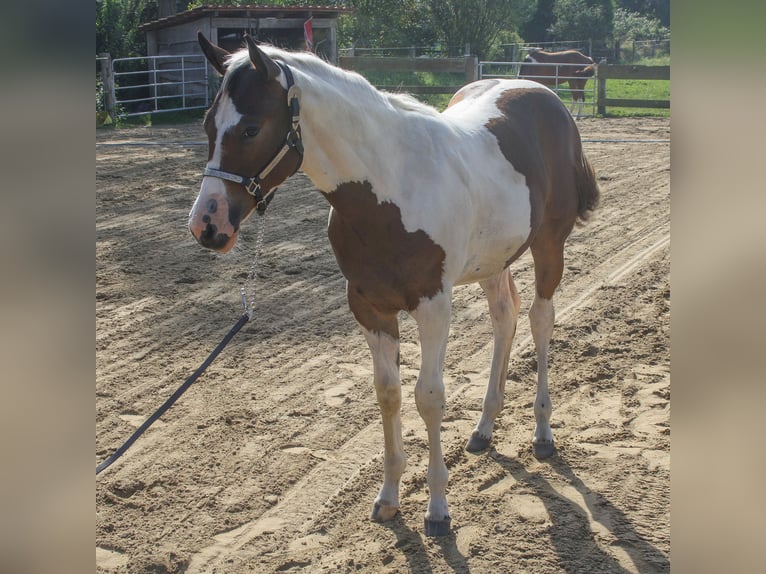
x,y
248,300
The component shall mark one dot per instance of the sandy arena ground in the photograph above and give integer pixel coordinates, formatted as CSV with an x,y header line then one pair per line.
x,y
271,461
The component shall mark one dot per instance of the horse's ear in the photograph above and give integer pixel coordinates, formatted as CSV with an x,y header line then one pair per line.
x,y
214,54
260,60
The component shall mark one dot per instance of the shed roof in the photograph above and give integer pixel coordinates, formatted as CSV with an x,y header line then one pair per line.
x,y
254,11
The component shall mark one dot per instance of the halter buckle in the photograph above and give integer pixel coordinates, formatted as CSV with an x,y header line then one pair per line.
x,y
253,187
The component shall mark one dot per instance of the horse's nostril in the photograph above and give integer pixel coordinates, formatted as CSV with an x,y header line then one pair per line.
x,y
209,232
212,206
205,219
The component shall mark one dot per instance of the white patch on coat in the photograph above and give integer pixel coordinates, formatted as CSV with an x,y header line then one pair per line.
x,y
226,117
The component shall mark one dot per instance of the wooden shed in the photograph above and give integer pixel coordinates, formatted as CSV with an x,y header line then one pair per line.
x,y
175,32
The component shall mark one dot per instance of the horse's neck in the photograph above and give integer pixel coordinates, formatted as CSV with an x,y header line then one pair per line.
x,y
350,132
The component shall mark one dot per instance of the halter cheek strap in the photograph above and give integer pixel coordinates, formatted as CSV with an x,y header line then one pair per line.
x,y
292,142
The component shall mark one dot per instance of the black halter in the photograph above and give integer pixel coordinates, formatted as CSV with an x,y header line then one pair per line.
x,y
292,142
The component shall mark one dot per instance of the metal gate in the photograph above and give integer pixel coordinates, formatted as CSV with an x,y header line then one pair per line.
x,y
561,87
153,84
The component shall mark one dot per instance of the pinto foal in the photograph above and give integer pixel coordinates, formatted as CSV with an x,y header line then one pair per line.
x,y
420,202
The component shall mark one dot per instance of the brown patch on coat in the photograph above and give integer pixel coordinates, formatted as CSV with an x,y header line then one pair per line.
x,y
210,128
388,268
537,135
530,137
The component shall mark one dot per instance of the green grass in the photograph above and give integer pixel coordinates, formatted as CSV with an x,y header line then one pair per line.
x,y
638,90
658,61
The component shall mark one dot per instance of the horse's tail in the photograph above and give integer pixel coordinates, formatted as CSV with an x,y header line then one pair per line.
x,y
588,193
586,72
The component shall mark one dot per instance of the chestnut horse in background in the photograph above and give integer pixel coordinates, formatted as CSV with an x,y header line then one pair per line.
x,y
556,68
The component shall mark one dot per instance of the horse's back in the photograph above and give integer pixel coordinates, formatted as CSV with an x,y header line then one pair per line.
x,y
486,92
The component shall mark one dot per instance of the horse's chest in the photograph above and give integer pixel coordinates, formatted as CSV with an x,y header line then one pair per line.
x,y
392,268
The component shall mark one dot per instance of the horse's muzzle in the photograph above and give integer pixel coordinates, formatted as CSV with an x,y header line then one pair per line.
x,y
212,221
211,238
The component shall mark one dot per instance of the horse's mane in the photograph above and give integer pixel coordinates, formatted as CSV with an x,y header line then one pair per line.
x,y
347,84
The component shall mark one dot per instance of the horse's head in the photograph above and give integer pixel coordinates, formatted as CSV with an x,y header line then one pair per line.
x,y
528,70
253,142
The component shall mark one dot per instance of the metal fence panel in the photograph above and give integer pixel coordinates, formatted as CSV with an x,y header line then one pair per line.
x,y
154,84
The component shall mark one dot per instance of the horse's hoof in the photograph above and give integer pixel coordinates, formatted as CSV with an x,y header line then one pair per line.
x,y
477,443
543,449
382,512
438,527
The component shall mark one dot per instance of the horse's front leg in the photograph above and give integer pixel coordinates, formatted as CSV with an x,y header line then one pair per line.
x,y
433,318
382,335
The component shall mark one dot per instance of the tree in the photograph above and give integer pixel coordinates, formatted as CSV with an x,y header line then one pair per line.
x,y
653,9
388,23
197,3
478,23
116,26
583,20
633,26
537,28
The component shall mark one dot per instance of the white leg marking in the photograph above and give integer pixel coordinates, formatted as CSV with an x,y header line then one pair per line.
x,y
385,357
504,303
541,317
433,318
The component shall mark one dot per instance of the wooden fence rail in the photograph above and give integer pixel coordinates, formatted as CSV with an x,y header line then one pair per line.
x,y
467,66
621,72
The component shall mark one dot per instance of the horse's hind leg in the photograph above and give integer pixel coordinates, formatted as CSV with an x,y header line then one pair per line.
x,y
382,335
504,303
548,254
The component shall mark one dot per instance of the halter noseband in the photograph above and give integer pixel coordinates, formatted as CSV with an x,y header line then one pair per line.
x,y
292,142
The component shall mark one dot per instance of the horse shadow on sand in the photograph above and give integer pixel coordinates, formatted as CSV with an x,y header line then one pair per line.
x,y
410,544
571,533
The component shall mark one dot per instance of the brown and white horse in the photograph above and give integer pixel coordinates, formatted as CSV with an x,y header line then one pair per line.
x,y
420,202
556,68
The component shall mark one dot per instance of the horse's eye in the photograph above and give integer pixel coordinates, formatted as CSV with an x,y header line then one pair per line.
x,y
251,131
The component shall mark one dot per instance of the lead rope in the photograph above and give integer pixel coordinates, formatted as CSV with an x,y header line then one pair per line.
x,y
248,304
